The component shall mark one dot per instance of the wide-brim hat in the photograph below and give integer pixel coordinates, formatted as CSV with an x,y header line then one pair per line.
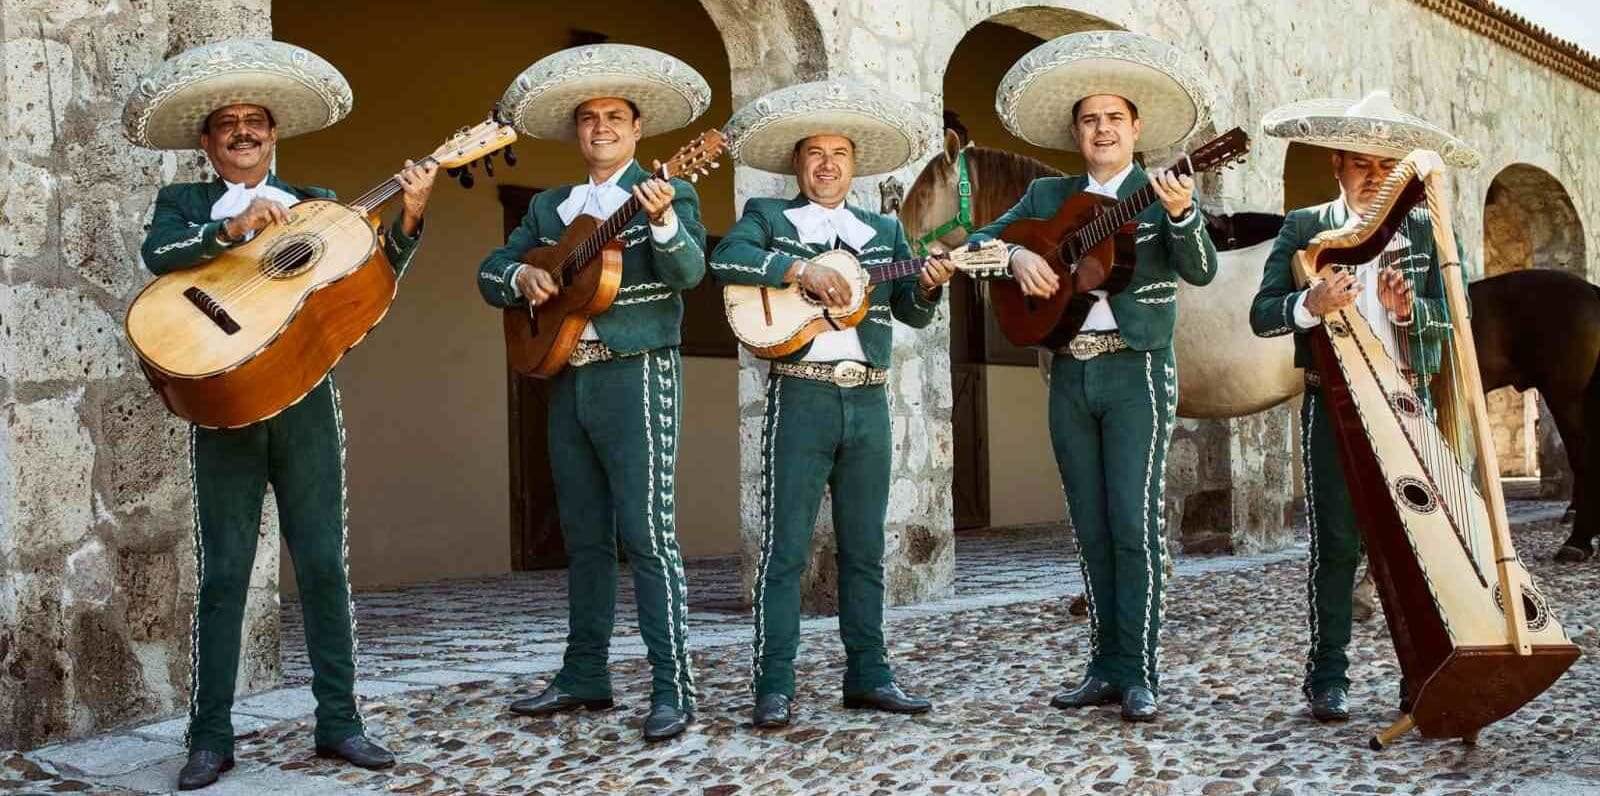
x,y
1036,96
1371,126
887,132
668,92
303,91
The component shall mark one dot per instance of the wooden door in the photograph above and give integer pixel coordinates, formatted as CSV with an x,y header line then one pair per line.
x,y
970,415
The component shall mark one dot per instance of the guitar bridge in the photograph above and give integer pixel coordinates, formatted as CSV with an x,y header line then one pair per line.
x,y
212,309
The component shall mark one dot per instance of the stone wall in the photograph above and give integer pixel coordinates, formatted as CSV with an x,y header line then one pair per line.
x,y
96,557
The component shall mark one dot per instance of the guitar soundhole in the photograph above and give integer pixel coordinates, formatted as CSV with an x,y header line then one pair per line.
x,y
1534,608
292,256
1407,404
1416,494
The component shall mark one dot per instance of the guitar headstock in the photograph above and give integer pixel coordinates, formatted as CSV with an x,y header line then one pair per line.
x,y
477,144
986,260
1224,150
696,157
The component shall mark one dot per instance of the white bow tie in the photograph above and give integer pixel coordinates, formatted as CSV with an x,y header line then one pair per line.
x,y
238,196
607,197
821,225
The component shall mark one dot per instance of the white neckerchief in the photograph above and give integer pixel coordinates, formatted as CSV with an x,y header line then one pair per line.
x,y
599,201
1100,317
238,196
822,225
1111,186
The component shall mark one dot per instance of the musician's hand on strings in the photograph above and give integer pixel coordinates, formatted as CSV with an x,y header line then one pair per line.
x,y
1394,291
1332,294
416,183
936,270
1034,275
1176,192
537,285
824,284
260,214
655,195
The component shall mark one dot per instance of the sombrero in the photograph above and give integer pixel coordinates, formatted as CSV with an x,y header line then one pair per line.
x,y
668,92
888,133
1372,126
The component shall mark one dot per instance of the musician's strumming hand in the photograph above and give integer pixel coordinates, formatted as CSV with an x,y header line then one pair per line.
x,y
1034,275
416,183
655,195
537,285
824,284
1333,294
1176,192
936,270
260,214
1394,291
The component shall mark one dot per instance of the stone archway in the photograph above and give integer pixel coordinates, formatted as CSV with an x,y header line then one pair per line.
x,y
1529,221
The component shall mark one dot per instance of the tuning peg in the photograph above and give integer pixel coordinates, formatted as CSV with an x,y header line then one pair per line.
x,y
716,164
511,157
488,166
695,178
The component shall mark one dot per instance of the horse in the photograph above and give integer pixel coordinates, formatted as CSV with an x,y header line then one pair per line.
x,y
1534,328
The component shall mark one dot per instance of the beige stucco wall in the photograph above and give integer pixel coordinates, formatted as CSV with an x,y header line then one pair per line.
x,y
1024,485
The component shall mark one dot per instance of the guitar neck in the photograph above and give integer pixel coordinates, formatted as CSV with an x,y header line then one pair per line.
x,y
887,272
606,232
382,192
1106,224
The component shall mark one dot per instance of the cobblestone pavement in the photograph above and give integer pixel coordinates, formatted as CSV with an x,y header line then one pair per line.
x,y
1232,723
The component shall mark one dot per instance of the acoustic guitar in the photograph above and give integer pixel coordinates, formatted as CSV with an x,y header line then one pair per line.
x,y
775,322
587,264
245,336
1089,244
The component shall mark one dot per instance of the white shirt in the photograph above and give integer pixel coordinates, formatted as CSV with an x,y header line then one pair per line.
x,y
599,201
238,197
1367,302
822,226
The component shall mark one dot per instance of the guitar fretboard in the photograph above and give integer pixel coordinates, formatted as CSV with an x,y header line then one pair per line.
x,y
1108,222
887,272
383,192
607,231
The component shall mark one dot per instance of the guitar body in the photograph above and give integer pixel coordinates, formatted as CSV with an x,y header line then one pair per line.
x,y
538,343
1052,322
332,284
777,321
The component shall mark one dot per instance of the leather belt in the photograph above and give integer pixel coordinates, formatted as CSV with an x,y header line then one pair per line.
x,y
590,351
841,374
1314,378
1088,345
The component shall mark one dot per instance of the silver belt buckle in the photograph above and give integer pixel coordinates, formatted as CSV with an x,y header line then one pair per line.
x,y
849,374
1083,347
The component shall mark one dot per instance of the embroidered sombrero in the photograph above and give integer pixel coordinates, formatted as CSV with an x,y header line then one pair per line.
x,y
304,92
888,133
668,92
1036,96
1372,126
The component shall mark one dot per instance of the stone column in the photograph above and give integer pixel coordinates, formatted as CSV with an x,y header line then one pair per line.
x,y
96,557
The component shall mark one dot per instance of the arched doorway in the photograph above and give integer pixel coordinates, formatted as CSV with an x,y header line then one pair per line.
x,y
439,433
1003,447
1529,222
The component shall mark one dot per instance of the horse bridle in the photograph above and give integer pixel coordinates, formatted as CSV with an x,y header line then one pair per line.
x,y
963,217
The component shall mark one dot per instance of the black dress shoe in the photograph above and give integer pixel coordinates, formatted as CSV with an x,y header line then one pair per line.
x,y
1331,704
554,700
772,710
202,769
889,699
666,721
1138,704
358,750
1092,691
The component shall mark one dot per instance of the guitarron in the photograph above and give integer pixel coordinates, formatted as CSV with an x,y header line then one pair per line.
x,y
777,321
1475,637
245,336
1089,244
587,264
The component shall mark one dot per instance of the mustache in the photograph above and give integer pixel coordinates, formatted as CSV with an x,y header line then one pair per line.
x,y
245,138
